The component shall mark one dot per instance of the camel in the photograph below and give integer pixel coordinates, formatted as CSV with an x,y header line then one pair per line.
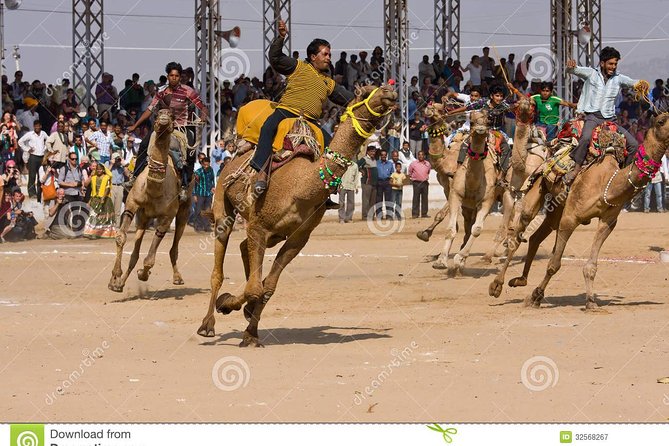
x,y
444,161
472,189
528,153
155,194
287,212
600,191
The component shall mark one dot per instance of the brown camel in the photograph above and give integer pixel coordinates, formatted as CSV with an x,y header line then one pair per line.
x,y
472,189
600,191
528,153
155,194
288,211
444,161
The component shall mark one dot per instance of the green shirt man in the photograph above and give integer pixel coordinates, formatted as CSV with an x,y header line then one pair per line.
x,y
548,108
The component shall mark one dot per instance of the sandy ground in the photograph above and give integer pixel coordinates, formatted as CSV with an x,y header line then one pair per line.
x,y
360,329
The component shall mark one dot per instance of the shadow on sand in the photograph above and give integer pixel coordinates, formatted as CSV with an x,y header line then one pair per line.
x,y
170,293
309,336
579,301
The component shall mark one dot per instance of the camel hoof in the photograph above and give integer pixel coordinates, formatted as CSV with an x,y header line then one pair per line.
x,y
143,275
534,300
439,265
495,289
250,341
518,281
423,235
221,305
115,288
591,305
486,259
177,280
206,332
459,262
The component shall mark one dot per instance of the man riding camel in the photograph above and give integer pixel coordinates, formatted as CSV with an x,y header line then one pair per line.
x,y
597,103
308,87
176,97
497,106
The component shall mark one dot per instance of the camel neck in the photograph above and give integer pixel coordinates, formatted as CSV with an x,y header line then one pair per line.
x,y
478,142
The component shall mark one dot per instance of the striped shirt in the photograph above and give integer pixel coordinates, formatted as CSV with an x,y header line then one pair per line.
x,y
205,182
307,89
599,95
495,112
178,99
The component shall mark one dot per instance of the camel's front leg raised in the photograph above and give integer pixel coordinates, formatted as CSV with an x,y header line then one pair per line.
x,y
502,230
604,229
290,249
451,231
529,208
117,281
161,229
481,214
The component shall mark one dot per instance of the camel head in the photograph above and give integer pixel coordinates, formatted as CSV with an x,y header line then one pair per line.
x,y
524,110
659,128
163,123
381,101
435,111
479,122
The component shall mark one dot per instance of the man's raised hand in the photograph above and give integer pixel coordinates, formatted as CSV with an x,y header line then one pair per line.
x,y
571,63
283,31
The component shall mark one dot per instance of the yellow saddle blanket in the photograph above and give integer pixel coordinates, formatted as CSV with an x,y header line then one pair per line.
x,y
252,116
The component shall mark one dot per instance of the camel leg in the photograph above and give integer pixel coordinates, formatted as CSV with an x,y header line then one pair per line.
x,y
244,249
502,230
529,208
223,230
451,232
161,229
543,231
567,227
180,225
604,229
425,234
460,258
117,282
290,249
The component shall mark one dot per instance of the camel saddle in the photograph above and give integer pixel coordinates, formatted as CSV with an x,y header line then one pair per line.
x,y
606,140
294,136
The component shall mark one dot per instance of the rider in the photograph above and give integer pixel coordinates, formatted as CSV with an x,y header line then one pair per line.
x,y
177,97
548,107
496,106
597,103
308,87
473,96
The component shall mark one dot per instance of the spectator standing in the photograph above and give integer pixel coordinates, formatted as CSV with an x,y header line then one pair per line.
x,y
405,156
203,192
369,180
58,145
69,105
119,174
397,184
349,187
34,143
71,178
474,69
487,66
352,71
416,129
100,223
341,69
511,67
425,70
54,221
419,172
654,185
104,142
384,198
105,93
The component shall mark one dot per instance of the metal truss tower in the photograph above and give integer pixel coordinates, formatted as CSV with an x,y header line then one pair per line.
x,y
447,28
273,10
562,43
208,65
589,12
87,47
396,44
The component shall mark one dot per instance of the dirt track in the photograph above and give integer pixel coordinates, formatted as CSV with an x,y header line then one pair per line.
x,y
360,329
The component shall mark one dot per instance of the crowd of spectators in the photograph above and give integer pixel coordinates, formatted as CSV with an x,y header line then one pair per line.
x,y
60,151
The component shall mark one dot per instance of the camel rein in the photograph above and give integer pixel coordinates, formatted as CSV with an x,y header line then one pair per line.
x,y
647,166
355,121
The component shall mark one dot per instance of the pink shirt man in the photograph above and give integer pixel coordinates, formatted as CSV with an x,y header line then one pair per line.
x,y
419,170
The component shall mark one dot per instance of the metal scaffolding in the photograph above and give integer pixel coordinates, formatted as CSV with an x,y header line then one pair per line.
x,y
273,10
396,44
447,29
589,13
207,67
87,47
562,43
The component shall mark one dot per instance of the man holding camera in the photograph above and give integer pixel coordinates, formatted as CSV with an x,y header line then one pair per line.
x,y
71,178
